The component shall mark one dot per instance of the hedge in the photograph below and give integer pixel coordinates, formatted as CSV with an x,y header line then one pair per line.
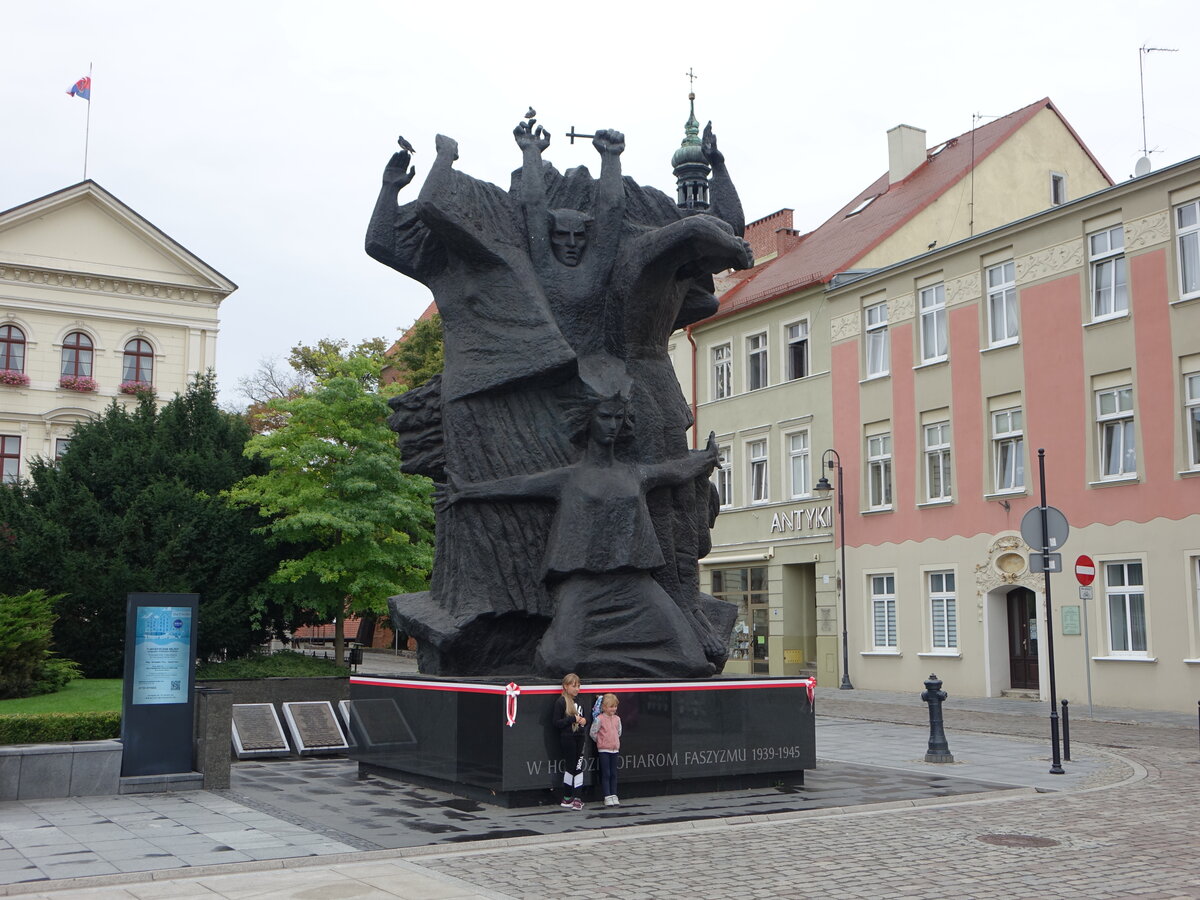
x,y
52,728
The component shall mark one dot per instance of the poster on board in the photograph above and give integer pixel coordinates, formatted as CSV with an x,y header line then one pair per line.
x,y
162,655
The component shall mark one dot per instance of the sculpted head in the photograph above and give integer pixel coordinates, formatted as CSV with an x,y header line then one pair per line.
x,y
568,235
602,420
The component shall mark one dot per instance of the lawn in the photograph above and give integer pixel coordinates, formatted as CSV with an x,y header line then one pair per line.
x,y
81,695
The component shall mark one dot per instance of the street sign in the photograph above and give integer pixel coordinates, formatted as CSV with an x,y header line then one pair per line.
x,y
1085,570
1085,592
1052,563
1056,527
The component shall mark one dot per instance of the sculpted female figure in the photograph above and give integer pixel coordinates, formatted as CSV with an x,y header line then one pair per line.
x,y
612,618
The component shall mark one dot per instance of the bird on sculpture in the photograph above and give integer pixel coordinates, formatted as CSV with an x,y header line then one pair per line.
x,y
532,112
405,145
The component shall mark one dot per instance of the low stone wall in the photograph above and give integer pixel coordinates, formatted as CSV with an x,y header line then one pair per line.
x,y
41,771
283,690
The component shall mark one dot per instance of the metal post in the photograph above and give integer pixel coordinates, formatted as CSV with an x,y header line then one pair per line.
x,y
1066,723
845,685
1056,763
938,750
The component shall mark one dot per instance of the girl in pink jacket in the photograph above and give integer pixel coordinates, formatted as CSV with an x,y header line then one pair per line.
x,y
606,732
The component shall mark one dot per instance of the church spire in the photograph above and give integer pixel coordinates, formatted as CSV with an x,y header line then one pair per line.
x,y
690,168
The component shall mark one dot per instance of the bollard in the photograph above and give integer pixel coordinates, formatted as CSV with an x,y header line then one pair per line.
x,y
938,750
1066,726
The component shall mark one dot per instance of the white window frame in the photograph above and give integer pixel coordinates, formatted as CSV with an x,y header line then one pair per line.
x,y
797,333
1004,325
879,470
1128,596
722,371
756,459
938,471
1008,443
757,362
723,476
1187,243
1110,275
943,610
1191,416
10,463
1113,427
799,461
878,346
935,345
882,590
1058,188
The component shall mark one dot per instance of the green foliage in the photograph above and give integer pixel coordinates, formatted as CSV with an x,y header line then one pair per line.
x,y
420,354
81,695
136,506
284,664
51,728
27,665
355,530
336,358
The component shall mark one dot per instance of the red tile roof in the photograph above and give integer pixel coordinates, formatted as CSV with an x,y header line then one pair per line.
x,y
837,244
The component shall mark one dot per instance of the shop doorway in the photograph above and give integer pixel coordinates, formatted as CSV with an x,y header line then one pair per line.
x,y
1022,639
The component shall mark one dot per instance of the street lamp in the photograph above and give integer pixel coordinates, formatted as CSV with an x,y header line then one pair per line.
x,y
823,487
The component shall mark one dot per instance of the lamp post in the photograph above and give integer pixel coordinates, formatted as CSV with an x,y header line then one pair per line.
x,y
823,487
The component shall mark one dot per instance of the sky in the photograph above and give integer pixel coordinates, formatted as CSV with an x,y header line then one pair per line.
x,y
254,133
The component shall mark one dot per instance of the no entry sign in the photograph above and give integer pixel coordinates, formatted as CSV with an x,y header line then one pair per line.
x,y
1085,570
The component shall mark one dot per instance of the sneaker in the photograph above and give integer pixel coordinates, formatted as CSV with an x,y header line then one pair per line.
x,y
616,800
566,803
576,804
610,800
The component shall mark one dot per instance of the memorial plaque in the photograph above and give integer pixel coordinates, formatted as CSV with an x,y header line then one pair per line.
x,y
314,727
376,723
257,731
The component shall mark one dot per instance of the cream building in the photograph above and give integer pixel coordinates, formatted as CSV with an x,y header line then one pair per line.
x,y
95,304
759,372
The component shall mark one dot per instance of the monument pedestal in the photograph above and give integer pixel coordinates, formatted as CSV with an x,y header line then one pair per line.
x,y
495,742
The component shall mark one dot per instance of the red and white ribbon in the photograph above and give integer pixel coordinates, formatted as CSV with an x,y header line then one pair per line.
x,y
511,691
811,687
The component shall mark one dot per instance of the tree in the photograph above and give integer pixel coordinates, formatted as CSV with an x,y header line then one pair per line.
x,y
270,381
354,528
136,506
27,665
420,353
333,357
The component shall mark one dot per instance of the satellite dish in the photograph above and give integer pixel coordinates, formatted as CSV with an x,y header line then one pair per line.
x,y
1142,167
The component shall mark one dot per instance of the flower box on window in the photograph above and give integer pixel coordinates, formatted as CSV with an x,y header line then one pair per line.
x,y
77,383
135,387
13,377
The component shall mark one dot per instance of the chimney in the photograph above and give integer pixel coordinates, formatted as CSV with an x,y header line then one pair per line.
x,y
906,151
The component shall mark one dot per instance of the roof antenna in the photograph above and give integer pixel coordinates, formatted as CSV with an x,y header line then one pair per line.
x,y
1143,164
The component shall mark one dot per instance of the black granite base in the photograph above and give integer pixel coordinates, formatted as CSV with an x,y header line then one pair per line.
x,y
726,733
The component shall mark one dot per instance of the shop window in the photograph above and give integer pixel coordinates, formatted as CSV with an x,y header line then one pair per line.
x,y
746,588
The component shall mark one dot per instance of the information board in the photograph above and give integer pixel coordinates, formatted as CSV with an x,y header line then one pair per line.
x,y
161,655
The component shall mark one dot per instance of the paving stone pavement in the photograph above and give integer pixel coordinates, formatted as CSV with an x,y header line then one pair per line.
x,y
1124,821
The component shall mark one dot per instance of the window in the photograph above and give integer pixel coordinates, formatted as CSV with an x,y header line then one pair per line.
x,y
61,446
883,610
798,458
723,477
1008,449
77,354
937,461
747,590
879,471
878,357
1187,230
1110,293
943,610
1058,189
933,323
722,360
758,471
1002,304
12,348
1192,417
10,459
797,350
1126,607
756,362
1118,448
138,364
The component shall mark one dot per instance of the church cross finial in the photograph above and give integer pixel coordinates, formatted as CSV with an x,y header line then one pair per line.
x,y
691,77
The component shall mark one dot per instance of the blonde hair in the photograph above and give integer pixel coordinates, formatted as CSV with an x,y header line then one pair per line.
x,y
609,699
570,707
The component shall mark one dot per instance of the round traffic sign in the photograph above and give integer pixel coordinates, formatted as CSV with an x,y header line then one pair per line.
x,y
1085,570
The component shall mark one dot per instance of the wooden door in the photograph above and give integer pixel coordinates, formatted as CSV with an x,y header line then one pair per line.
x,y
1022,638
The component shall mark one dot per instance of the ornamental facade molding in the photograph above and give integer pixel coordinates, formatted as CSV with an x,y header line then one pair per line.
x,y
844,327
964,289
1147,231
901,308
1007,565
1050,261
102,285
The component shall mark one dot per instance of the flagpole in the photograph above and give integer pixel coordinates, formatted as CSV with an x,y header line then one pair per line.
x,y
87,132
